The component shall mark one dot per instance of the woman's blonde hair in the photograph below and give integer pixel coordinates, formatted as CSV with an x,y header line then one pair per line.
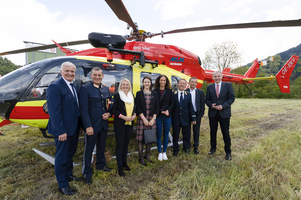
x,y
127,80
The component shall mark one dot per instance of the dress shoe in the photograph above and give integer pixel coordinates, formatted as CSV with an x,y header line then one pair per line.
x,y
175,154
74,178
126,167
186,151
142,162
196,151
67,191
212,151
105,169
88,180
120,171
228,157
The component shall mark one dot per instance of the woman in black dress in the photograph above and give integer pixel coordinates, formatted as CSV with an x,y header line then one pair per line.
x,y
147,108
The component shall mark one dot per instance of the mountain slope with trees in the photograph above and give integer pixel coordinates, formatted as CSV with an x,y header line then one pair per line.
x,y
6,66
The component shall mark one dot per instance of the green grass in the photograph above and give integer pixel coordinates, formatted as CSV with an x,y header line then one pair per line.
x,y
266,143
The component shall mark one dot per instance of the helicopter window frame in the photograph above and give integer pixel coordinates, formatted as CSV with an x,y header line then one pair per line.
x,y
153,76
46,72
110,71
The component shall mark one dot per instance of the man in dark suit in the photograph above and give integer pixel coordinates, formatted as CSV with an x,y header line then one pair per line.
x,y
63,108
94,103
219,97
198,104
182,112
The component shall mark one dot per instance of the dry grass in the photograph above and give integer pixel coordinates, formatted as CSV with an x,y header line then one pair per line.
x,y
266,163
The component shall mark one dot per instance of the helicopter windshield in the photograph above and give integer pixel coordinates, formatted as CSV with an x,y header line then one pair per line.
x,y
14,83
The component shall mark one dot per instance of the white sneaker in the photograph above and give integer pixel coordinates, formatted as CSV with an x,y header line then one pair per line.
x,y
160,157
164,156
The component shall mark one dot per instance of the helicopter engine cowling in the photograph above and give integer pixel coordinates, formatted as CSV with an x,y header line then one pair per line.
x,y
99,40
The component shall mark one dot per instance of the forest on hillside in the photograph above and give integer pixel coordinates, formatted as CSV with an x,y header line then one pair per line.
x,y
6,66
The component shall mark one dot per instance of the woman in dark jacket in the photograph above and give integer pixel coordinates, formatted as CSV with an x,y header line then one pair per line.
x,y
124,113
166,103
147,108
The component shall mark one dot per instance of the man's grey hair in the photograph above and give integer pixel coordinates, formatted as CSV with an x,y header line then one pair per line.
x,y
67,64
217,72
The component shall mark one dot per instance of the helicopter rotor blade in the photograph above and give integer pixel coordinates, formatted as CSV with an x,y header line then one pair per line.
x,y
238,26
47,46
121,12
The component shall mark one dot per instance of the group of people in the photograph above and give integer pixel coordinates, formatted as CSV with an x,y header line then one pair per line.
x,y
156,107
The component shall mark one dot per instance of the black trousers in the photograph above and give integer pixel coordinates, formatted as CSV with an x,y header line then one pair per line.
x,y
100,139
196,132
186,137
224,124
123,137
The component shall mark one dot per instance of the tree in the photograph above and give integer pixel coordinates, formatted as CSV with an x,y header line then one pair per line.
x,y
221,56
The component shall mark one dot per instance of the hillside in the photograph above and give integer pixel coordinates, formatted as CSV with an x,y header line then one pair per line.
x,y
6,66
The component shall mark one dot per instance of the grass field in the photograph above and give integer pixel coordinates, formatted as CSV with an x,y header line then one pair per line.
x,y
266,162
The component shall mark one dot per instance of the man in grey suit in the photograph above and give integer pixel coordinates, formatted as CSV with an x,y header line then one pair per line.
x,y
219,97
198,103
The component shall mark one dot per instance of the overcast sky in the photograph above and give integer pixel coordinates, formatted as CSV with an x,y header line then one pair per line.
x,y
68,20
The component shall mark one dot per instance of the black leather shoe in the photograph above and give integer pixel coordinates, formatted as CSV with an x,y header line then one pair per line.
x,y
120,171
186,151
175,154
228,157
196,151
74,178
212,151
106,169
67,191
88,180
126,167
142,162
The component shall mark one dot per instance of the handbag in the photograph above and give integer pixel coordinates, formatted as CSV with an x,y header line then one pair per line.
x,y
150,136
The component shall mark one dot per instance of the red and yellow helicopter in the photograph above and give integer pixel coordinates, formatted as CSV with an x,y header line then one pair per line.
x,y
22,92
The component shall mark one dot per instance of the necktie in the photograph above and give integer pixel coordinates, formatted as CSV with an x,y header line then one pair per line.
x,y
217,90
74,93
181,99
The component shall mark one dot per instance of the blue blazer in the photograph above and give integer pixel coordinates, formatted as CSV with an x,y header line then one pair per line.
x,y
226,98
93,106
185,114
62,108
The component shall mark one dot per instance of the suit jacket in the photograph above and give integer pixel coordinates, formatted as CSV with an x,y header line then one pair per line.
x,y
93,106
226,98
119,108
199,102
182,115
166,101
141,104
62,108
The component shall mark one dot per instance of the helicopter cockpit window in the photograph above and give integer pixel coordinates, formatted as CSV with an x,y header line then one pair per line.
x,y
40,88
15,82
174,82
112,74
152,75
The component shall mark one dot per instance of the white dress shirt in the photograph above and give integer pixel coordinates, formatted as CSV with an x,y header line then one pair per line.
x,y
193,92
